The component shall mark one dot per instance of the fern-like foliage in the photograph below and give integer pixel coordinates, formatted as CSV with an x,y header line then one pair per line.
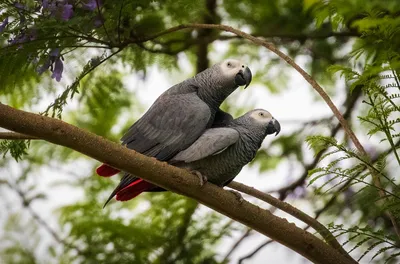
x,y
378,244
347,169
17,148
368,182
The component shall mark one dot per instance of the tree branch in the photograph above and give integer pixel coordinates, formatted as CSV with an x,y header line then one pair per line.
x,y
299,36
246,234
170,178
15,136
320,228
350,103
255,251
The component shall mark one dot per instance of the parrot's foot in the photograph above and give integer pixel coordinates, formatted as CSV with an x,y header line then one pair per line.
x,y
239,197
203,179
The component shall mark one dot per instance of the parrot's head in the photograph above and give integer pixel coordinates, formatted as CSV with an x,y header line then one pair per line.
x,y
264,119
234,71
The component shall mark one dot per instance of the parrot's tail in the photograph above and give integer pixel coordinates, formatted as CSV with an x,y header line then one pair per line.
x,y
129,187
134,189
105,170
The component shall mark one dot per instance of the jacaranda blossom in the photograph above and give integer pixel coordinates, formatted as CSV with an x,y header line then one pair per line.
x,y
58,69
59,9
3,24
66,12
91,4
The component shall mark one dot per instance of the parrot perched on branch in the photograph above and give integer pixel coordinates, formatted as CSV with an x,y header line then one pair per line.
x,y
218,155
181,114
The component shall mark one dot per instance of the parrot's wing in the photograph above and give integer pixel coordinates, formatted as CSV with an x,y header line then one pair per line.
x,y
171,124
222,119
212,142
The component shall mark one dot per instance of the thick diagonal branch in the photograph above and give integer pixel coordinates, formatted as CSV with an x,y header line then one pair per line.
x,y
170,178
320,228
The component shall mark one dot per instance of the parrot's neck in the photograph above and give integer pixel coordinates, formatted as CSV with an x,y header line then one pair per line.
x,y
253,140
245,149
211,90
252,137
215,96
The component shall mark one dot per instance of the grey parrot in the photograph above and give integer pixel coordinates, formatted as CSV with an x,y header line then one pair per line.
x,y
181,114
218,155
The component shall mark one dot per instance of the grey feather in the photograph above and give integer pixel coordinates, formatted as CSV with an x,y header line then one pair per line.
x,y
222,119
220,154
212,142
169,126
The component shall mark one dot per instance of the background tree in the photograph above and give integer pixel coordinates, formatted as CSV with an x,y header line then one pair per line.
x,y
74,60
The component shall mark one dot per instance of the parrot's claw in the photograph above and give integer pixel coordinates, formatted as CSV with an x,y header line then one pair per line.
x,y
203,179
238,196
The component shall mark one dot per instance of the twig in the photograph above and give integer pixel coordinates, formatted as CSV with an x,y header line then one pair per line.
x,y
168,255
300,36
237,243
255,251
119,21
320,228
350,104
13,135
103,24
40,221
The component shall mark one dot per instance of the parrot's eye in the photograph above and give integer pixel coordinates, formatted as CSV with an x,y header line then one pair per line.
x,y
261,114
229,64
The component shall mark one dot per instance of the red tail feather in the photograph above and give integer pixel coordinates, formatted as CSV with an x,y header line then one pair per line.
x,y
106,171
133,190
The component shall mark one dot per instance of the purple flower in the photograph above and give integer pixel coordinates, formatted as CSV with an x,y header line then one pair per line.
x,y
19,6
24,36
45,3
91,4
3,24
66,12
58,9
58,69
44,67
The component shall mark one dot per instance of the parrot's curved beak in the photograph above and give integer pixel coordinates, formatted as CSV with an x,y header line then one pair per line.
x,y
273,127
243,77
